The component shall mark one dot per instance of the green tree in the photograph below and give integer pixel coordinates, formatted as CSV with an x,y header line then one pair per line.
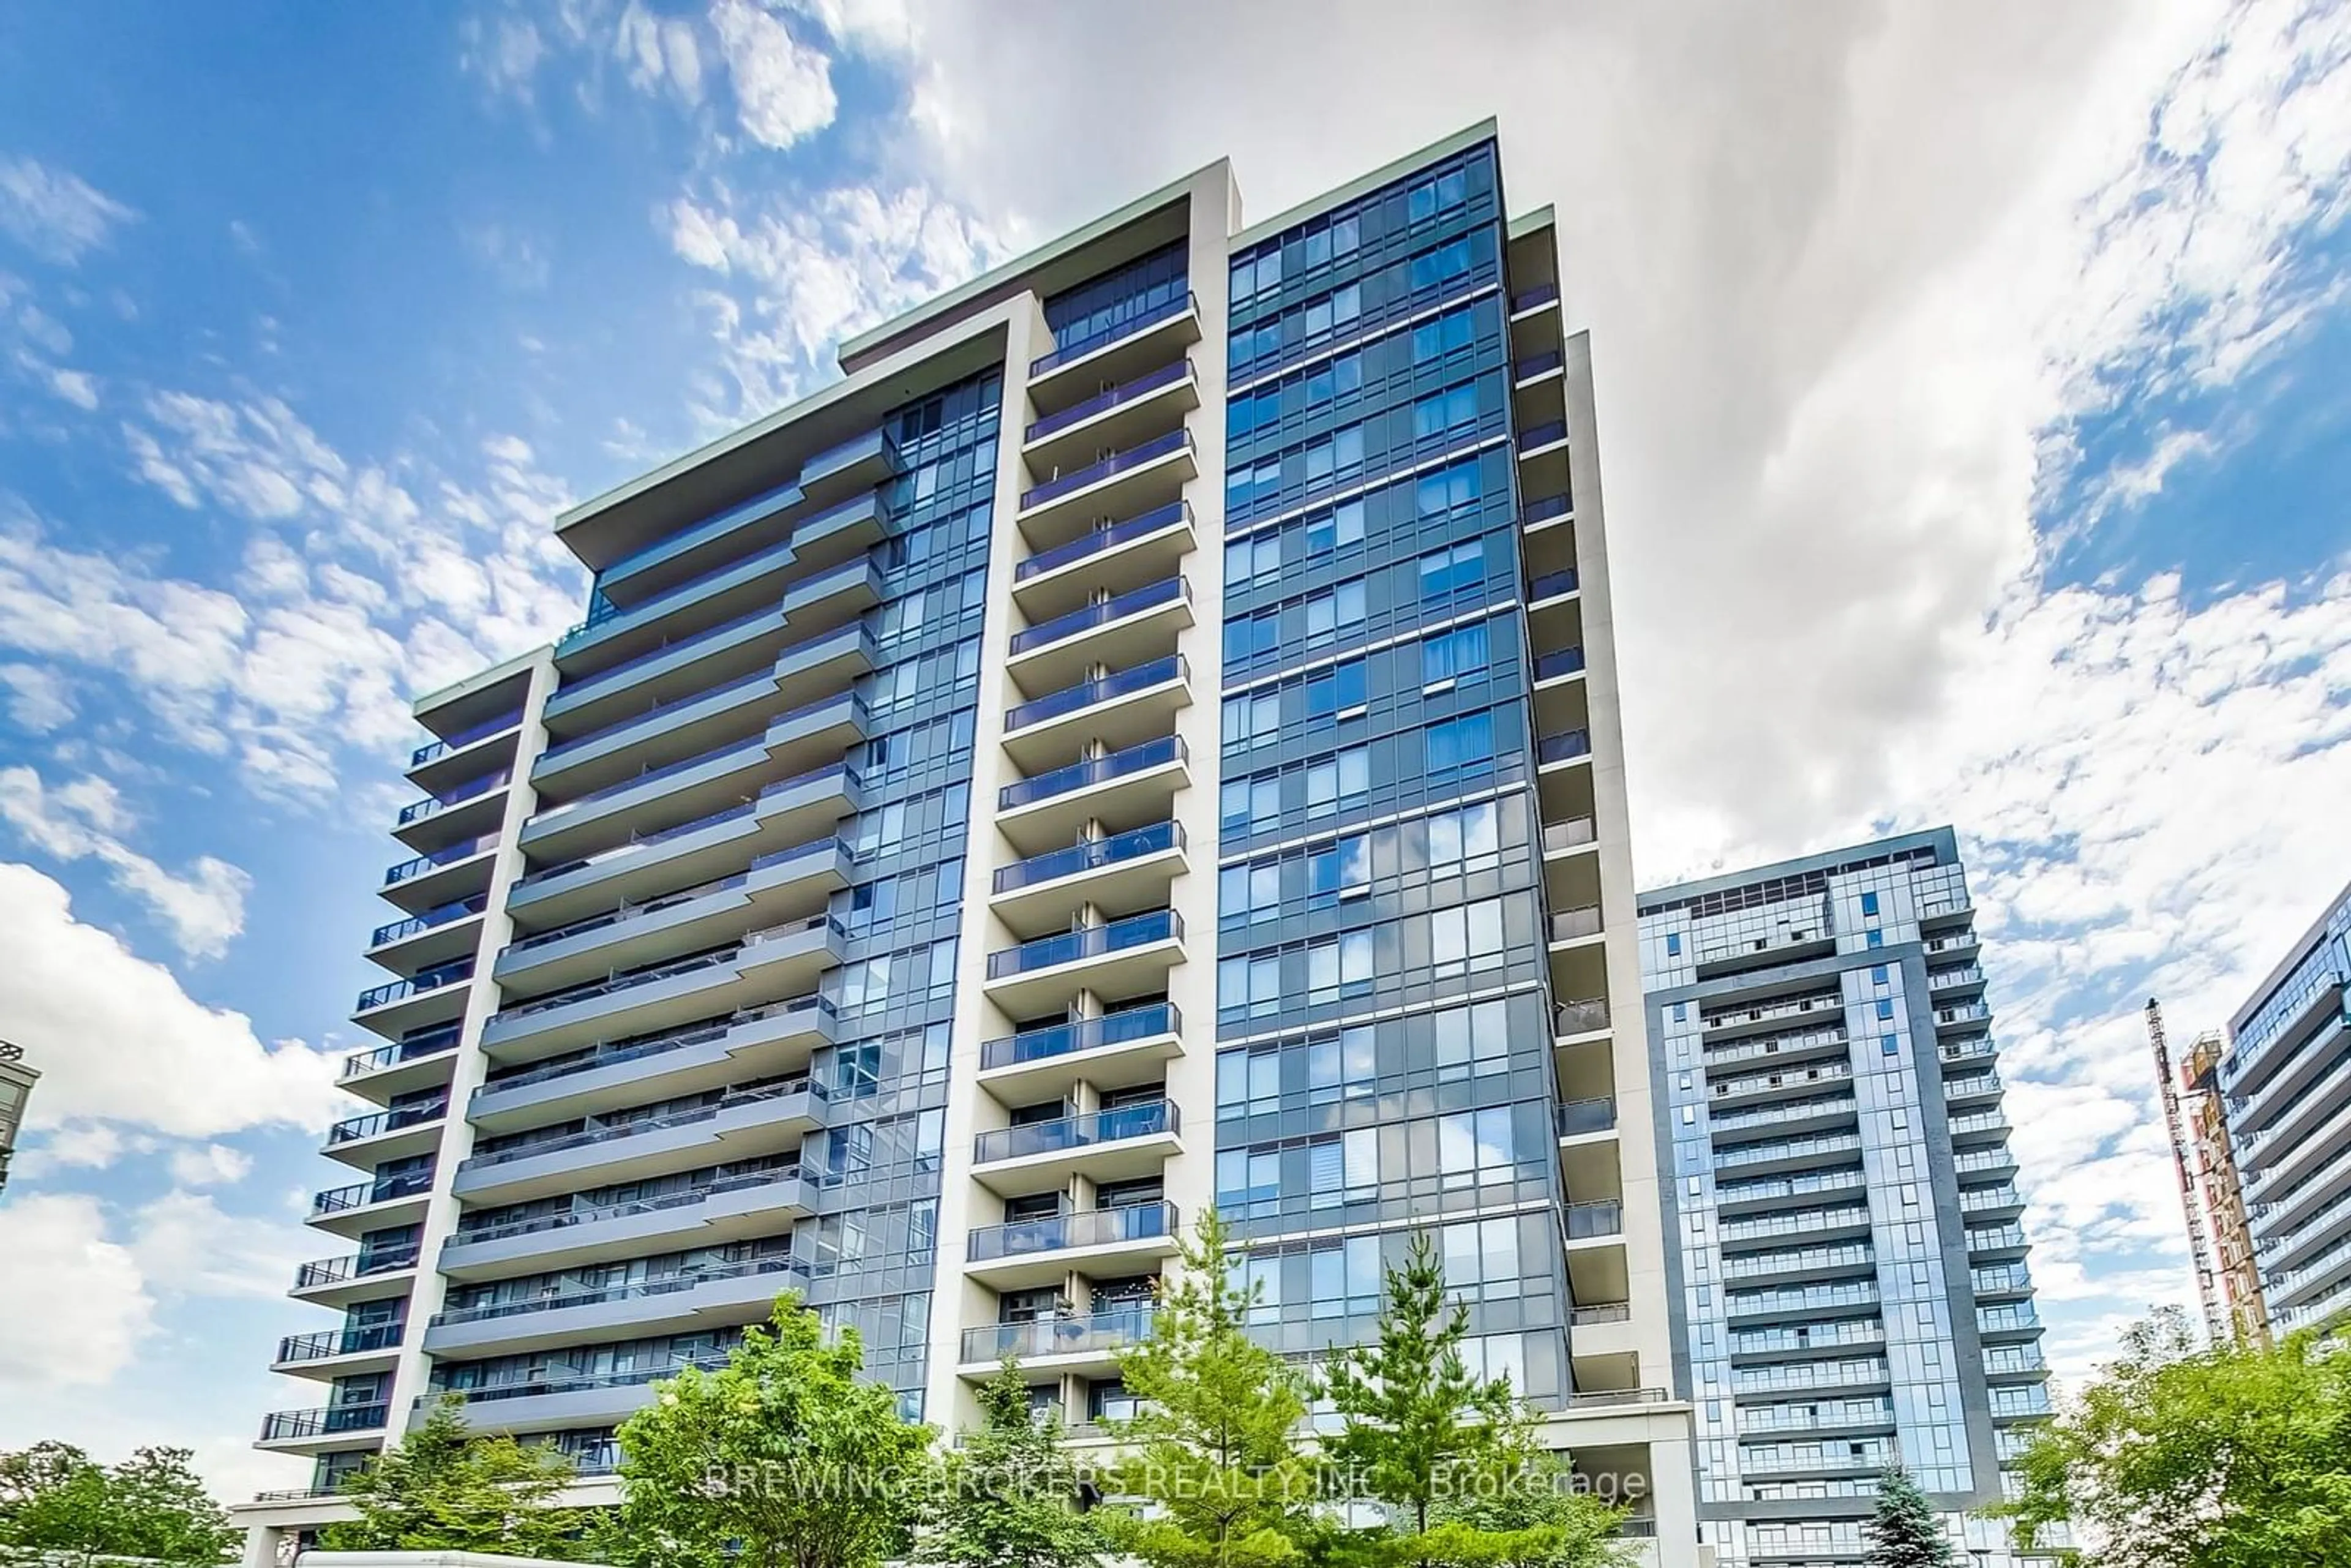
x,y
2179,1457
1214,1441
785,1455
1419,1426
1009,1494
1451,1455
443,1488
1904,1533
54,1498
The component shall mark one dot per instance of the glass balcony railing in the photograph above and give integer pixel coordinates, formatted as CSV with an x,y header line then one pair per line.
x,y
432,750
639,1290
1105,1330
377,1124
1535,437
1086,694
816,1010
430,1043
1100,540
587,1213
1799,1007
409,871
1601,1312
1571,834
415,985
815,852
2006,1320
354,1265
628,979
588,1136
756,681
1150,1119
1134,457
1563,661
359,1194
1062,353
1530,366
1586,1220
1094,942
1996,1239
711,636
288,1425
1063,1232
1975,1200
1062,1039
1541,294
338,1341
602,611
1964,975
1581,1016
1571,925
1566,747
1126,391
535,1386
1090,855
1789,1149
1551,585
1777,1045
1543,509
1094,771
1803,1298
1167,591
2030,1401
473,790
438,915
1775,1189
1593,1115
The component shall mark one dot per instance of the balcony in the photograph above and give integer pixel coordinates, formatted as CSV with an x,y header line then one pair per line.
x,y
1538,297
340,1282
401,1007
1582,1118
1797,1046
323,1431
538,1403
1733,1021
1117,1144
751,1122
1122,958
1139,783
431,938
696,661
365,1141
1140,550
1134,409
1527,368
2007,1321
1123,869
1602,1222
656,737
1570,927
462,810
613,634
1113,1051
1567,746
758,1043
1119,353
1782,1121
1120,631
1966,1015
2002,1200
1580,1018
1783,1154
1071,1343
731,1208
446,876
377,1204
373,1348
1140,478
1736,1197
1997,1241
1122,709
478,749
716,1295
1032,1252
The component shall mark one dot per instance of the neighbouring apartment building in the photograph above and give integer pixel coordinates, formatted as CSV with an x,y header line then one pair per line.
x,y
2218,1191
1145,738
16,1081
2287,1081
1848,1284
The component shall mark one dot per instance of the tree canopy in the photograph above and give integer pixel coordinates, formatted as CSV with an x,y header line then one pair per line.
x,y
785,1453
444,1488
54,1498
1009,1497
2181,1457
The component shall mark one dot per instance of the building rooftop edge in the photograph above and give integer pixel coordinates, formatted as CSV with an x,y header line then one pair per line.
x,y
1486,130
2295,953
1943,840
1525,224
425,701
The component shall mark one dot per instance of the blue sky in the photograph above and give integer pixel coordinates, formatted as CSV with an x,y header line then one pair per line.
x,y
1969,388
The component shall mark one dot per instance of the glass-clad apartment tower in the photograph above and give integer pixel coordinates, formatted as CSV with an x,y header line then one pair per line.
x,y
2286,1083
1849,1290
1145,738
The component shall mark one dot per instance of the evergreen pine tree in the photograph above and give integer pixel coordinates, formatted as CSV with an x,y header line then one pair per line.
x,y
1905,1533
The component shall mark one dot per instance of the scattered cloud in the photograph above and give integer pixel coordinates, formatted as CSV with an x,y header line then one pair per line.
x,y
203,907
783,89
210,1165
117,1040
58,1252
505,52
39,700
185,1245
54,213
659,51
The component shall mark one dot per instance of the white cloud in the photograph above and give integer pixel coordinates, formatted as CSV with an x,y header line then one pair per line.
x,y
186,1246
505,53
885,28
117,1040
203,907
783,89
78,388
78,1145
658,51
39,700
54,213
210,1165
75,1303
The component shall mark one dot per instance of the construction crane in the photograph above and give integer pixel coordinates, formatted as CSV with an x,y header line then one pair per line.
x,y
2199,1244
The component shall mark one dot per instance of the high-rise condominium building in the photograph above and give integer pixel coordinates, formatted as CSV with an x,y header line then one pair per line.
x,y
16,1079
2287,1081
1849,1288
1145,738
